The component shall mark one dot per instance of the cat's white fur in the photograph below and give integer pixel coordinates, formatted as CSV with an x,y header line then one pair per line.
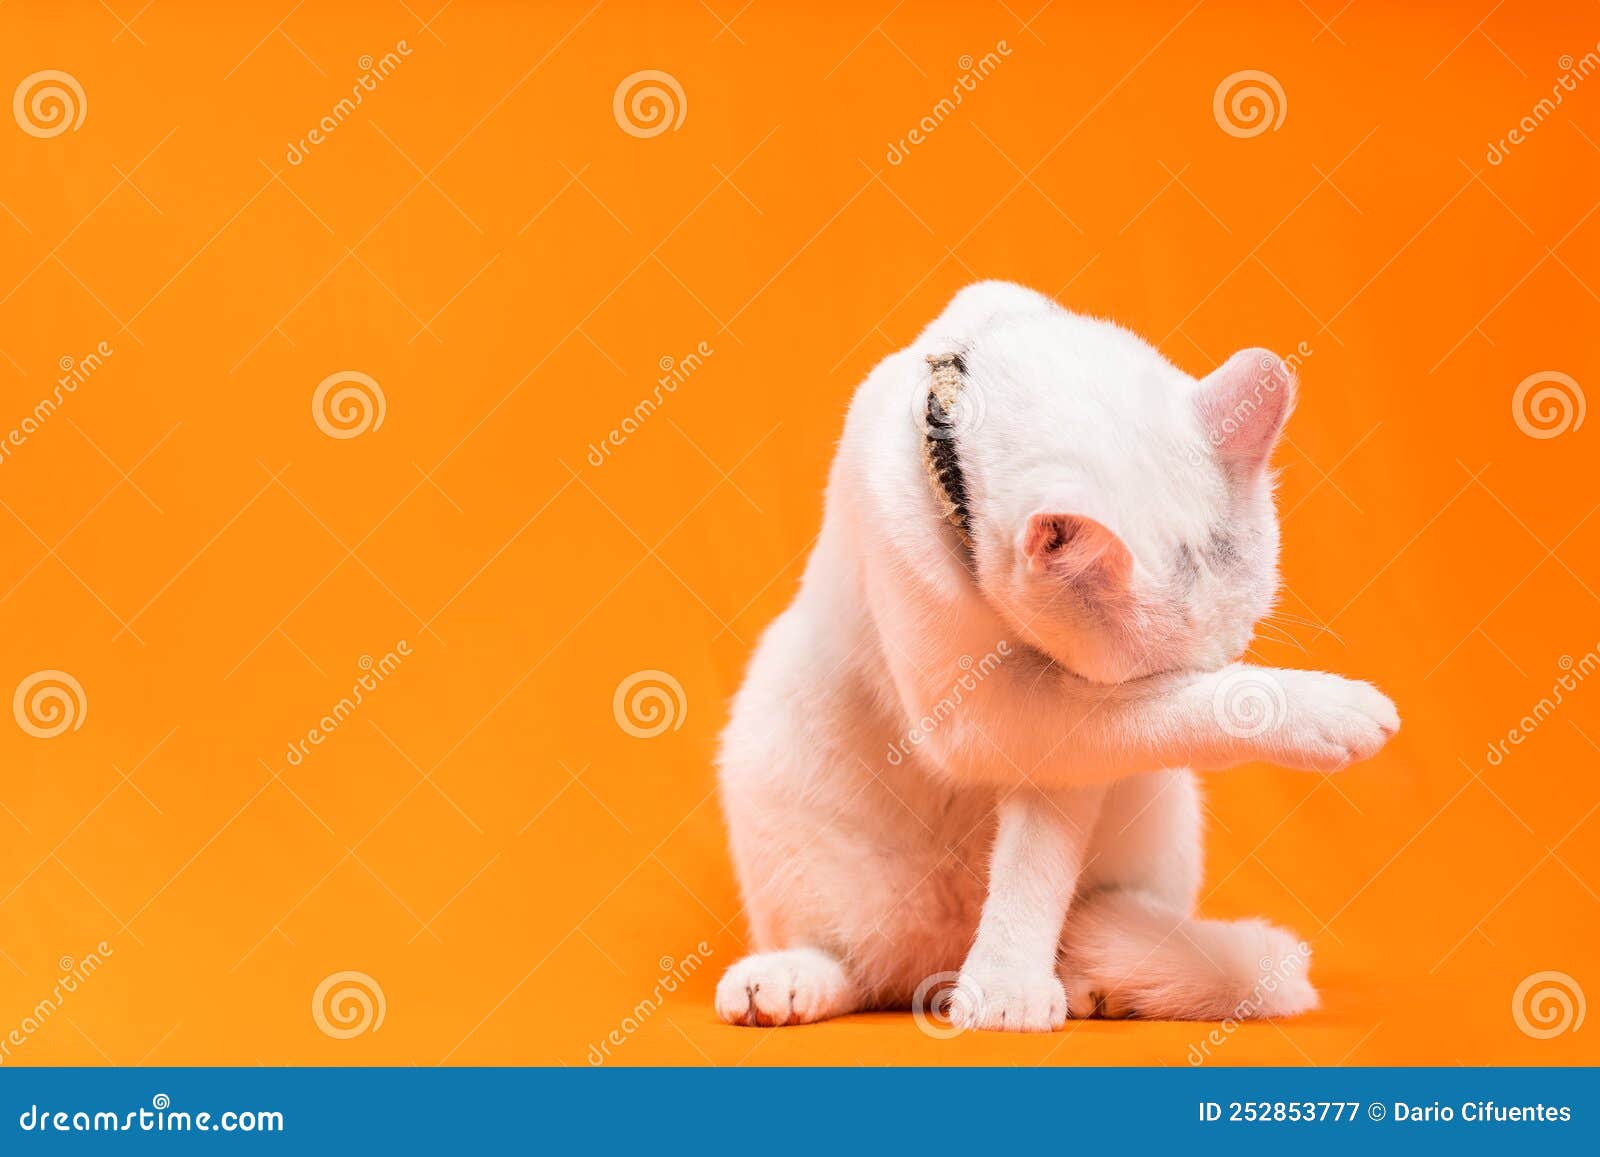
x,y
900,808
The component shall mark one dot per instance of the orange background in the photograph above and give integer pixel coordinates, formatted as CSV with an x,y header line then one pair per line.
x,y
483,239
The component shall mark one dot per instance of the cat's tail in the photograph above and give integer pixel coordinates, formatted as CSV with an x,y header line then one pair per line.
x,y
1124,953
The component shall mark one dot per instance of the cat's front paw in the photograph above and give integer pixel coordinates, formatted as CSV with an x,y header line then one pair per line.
x,y
1305,719
1008,999
796,986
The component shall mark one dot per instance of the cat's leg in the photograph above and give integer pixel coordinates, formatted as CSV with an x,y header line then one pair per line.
x,y
1029,719
1149,839
1212,720
794,986
1131,946
859,876
1125,953
1009,980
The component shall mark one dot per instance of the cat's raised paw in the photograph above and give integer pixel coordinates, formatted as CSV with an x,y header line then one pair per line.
x,y
1328,722
797,986
1008,1000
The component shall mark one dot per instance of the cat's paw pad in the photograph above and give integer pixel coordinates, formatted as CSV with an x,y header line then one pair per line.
x,y
771,989
1008,1000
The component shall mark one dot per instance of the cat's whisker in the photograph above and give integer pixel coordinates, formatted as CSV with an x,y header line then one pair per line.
x,y
1282,636
1277,625
1278,612
1283,617
1292,618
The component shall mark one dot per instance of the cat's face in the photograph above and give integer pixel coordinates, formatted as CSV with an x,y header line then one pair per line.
x,y
1123,513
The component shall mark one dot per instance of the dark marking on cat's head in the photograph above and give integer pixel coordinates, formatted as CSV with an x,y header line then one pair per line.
x,y
1222,548
1187,566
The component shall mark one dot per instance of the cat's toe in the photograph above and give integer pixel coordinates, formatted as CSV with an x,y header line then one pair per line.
x,y
1083,1000
1086,1000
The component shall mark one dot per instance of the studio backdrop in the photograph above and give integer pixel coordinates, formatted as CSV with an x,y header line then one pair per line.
x,y
411,415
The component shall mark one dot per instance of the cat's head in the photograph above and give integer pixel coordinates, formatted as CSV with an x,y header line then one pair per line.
x,y
1122,515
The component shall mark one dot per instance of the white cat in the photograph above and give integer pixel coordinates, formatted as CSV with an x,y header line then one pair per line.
x,y
966,743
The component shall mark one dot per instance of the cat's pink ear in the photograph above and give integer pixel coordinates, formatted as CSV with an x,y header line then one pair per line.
x,y
1243,406
1076,548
